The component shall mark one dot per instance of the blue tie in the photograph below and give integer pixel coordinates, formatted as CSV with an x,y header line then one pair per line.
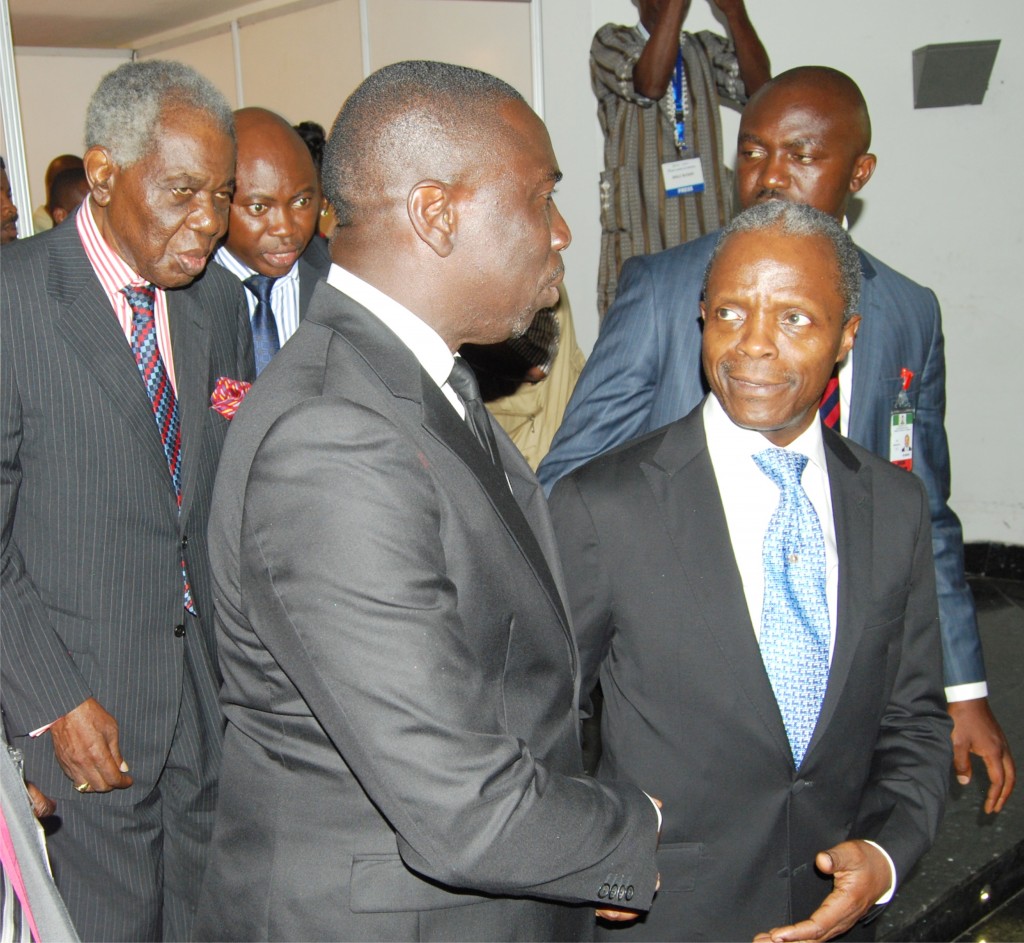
x,y
795,629
265,340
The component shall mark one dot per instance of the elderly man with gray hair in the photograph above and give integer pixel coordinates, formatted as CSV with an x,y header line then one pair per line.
x,y
122,354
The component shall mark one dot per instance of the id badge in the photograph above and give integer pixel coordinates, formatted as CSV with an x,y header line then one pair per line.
x,y
682,176
901,438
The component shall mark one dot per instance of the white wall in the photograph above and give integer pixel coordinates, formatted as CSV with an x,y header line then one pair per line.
x,y
54,86
944,206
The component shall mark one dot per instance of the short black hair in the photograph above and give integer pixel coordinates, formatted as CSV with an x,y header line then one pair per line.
x,y
314,137
396,116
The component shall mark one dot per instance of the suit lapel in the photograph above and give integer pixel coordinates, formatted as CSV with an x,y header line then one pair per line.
x,y
89,327
683,482
190,342
850,485
400,372
867,358
444,424
307,282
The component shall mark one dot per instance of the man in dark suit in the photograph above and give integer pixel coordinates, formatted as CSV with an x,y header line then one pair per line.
x,y
113,340
402,758
767,645
804,138
270,245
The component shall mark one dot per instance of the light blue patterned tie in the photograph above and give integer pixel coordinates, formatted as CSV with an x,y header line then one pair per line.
x,y
795,628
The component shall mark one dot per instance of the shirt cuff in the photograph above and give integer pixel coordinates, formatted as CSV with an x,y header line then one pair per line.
x,y
39,731
656,809
887,896
966,692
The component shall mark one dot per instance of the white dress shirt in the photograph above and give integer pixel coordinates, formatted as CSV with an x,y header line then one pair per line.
x,y
423,341
750,497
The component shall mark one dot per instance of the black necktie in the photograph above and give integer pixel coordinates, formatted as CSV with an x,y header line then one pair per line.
x,y
463,381
265,339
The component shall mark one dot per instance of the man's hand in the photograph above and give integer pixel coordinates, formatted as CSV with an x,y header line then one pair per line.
x,y
976,730
42,804
85,742
861,875
730,7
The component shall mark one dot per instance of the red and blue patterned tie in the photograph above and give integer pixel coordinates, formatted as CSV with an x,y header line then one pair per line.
x,y
142,299
829,407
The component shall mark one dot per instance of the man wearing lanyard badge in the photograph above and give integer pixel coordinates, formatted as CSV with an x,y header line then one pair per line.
x,y
657,88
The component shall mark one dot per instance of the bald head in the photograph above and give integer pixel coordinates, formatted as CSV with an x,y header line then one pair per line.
x,y
277,194
804,137
408,122
843,95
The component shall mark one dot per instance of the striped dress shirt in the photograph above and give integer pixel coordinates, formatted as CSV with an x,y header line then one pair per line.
x,y
284,296
637,218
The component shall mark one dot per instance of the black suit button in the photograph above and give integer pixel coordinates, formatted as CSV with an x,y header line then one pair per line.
x,y
603,891
179,631
184,542
630,892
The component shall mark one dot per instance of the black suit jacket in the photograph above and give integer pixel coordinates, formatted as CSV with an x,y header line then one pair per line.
x,y
689,712
314,264
402,758
92,539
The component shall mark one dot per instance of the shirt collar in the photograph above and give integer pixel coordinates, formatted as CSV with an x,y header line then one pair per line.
x,y
237,267
113,272
425,343
740,444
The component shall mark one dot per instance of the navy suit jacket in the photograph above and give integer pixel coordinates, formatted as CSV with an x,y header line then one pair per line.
x,y
645,371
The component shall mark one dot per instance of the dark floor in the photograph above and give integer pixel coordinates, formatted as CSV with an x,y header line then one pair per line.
x,y
970,886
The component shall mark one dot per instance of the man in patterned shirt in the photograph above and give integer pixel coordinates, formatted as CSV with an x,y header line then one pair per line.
x,y
657,89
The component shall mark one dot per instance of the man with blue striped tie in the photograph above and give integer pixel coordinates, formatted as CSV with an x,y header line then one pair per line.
x,y
270,244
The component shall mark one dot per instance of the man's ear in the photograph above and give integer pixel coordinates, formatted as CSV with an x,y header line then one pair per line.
x,y
58,215
433,216
100,171
863,168
850,329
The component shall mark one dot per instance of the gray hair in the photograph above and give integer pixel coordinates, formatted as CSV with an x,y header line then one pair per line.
x,y
125,110
399,115
798,219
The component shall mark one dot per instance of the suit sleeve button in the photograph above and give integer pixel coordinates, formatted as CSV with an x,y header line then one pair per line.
x,y
630,892
179,631
603,891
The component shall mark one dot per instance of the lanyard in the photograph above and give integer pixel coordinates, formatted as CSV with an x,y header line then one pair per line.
x,y
681,99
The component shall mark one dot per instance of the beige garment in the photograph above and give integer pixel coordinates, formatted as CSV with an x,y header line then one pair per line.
x,y
41,220
532,414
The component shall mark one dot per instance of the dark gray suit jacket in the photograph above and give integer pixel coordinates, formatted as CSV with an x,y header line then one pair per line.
x,y
92,539
645,371
689,712
400,674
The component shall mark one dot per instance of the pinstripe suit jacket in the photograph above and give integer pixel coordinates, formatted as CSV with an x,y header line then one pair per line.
x,y
92,538
645,372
